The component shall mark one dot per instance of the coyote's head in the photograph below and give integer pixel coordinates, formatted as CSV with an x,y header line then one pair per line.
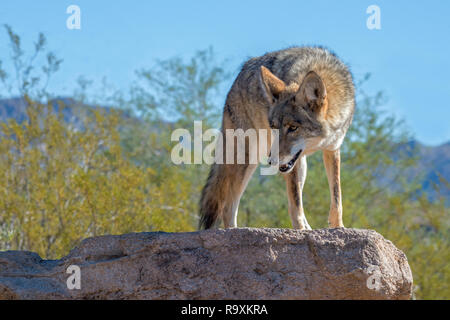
x,y
296,111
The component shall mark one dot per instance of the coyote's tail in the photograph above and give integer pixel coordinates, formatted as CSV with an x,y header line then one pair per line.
x,y
210,201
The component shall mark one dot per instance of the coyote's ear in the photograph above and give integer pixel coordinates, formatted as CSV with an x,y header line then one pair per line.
x,y
312,91
271,85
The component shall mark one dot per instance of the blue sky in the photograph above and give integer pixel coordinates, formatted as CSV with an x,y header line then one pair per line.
x,y
409,58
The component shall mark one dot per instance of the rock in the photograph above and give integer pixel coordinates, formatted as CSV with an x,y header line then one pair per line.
x,y
241,263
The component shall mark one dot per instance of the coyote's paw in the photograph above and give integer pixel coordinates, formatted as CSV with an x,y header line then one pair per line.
x,y
306,224
301,224
335,225
335,219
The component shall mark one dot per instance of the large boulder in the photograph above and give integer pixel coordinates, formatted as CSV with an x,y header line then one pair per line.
x,y
241,263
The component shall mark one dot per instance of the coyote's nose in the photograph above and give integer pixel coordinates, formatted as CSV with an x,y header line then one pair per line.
x,y
290,164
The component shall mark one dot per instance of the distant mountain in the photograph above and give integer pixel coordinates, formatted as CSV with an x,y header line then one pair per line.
x,y
16,108
433,162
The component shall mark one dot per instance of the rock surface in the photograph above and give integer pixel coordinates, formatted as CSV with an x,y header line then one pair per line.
x,y
242,263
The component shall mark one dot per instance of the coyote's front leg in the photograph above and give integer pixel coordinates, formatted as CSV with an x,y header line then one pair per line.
x,y
294,184
332,162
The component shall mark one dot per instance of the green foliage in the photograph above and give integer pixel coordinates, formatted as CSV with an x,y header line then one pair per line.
x,y
111,173
179,91
61,183
28,80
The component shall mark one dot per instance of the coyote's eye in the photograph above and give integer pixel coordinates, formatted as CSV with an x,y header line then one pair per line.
x,y
292,128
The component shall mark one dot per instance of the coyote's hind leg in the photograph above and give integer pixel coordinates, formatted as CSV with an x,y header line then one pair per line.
x,y
240,177
222,193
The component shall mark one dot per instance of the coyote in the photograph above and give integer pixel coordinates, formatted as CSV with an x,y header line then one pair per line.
x,y
306,93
